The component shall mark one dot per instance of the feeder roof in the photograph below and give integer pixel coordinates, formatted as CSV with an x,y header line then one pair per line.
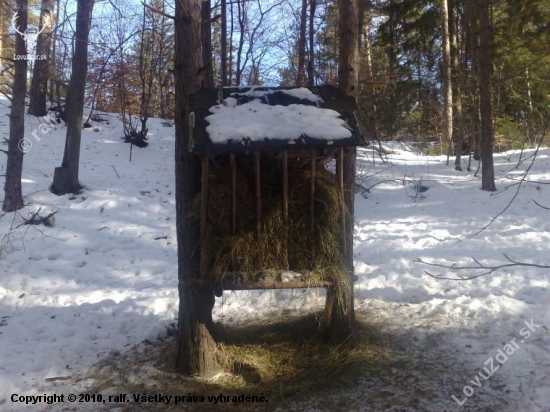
x,y
255,118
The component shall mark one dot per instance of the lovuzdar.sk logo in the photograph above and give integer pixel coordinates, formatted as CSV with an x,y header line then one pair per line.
x,y
30,36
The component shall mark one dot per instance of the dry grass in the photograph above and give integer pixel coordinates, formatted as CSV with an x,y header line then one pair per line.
x,y
319,254
228,252
284,360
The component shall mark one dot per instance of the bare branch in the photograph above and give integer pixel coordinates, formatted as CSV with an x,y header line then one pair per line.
x,y
521,181
486,270
162,13
36,219
539,205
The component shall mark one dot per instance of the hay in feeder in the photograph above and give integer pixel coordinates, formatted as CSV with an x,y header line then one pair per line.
x,y
242,252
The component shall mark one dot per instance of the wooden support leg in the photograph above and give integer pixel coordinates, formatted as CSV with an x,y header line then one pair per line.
x,y
340,177
233,165
285,206
327,316
203,213
312,154
258,185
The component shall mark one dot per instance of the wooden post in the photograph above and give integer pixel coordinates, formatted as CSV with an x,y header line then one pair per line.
x,y
204,212
233,193
285,205
327,315
350,154
257,174
312,204
340,177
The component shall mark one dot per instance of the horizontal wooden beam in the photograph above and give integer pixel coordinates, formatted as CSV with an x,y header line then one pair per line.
x,y
275,285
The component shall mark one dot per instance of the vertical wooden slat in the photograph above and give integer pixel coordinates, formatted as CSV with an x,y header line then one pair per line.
x,y
340,177
257,175
312,203
233,166
204,212
285,205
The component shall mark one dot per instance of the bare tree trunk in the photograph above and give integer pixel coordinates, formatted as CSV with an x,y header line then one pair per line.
x,y
55,82
196,353
301,77
146,73
446,75
343,313
65,179
2,17
223,70
528,117
206,40
241,16
13,199
486,109
369,76
311,62
231,32
41,72
349,70
472,12
458,132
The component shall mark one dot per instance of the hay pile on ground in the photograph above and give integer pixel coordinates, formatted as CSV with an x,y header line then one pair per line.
x,y
229,253
284,359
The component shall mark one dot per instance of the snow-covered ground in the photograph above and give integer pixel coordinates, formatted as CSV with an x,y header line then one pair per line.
x,y
104,277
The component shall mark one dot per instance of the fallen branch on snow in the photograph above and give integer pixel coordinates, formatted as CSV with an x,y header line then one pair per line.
x,y
36,219
487,270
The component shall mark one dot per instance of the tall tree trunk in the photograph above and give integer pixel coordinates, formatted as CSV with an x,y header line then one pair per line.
x,y
343,313
54,89
13,199
458,133
365,25
206,40
486,110
196,354
2,17
301,77
446,75
349,48
311,62
242,19
41,71
391,50
528,117
472,51
146,72
223,70
65,179
230,57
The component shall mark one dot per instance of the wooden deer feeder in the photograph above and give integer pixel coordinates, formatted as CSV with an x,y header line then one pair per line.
x,y
272,209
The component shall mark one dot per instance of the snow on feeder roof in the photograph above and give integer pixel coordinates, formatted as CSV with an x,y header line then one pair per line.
x,y
274,118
